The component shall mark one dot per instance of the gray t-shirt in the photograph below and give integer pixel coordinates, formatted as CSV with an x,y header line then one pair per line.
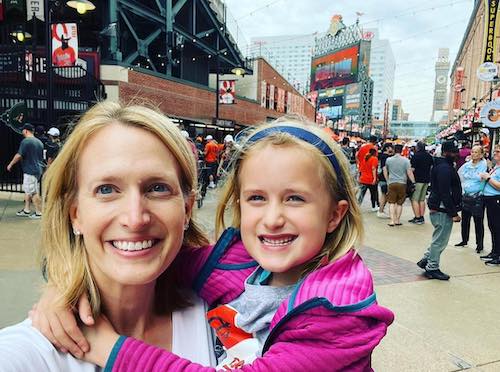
x,y
31,150
397,167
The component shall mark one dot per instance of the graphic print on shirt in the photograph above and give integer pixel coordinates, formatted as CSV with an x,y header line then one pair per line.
x,y
240,346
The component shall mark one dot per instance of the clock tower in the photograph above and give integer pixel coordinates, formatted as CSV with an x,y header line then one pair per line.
x,y
442,69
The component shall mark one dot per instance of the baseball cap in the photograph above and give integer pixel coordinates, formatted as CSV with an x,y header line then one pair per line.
x,y
209,137
449,146
185,134
485,131
54,132
228,138
29,127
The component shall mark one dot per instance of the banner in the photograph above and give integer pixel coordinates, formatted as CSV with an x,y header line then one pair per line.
x,y
459,80
490,29
271,97
227,92
263,91
64,44
35,8
281,100
28,69
1,10
288,101
15,4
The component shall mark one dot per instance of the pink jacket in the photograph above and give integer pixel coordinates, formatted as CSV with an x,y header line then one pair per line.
x,y
331,321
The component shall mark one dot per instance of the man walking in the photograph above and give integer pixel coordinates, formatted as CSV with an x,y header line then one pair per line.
x,y
421,164
397,170
30,154
444,203
387,152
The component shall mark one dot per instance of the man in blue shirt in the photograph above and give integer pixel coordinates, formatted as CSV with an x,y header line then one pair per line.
x,y
30,154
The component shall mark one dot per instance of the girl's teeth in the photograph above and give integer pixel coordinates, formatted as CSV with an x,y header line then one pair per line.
x,y
132,246
278,241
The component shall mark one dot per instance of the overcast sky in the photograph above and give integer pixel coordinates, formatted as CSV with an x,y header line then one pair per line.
x,y
415,28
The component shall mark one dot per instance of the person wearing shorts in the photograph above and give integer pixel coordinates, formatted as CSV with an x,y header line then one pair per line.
x,y
387,152
30,154
397,170
421,164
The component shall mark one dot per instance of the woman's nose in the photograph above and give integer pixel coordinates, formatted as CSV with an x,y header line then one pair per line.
x,y
135,212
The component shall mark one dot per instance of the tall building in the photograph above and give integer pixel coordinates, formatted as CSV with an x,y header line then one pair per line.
x,y
397,112
442,67
290,55
382,70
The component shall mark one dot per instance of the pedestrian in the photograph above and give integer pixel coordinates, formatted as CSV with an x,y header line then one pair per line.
x,y
491,196
387,152
421,164
30,154
293,203
211,157
368,178
363,150
485,140
53,145
350,154
444,203
472,187
226,156
463,154
397,171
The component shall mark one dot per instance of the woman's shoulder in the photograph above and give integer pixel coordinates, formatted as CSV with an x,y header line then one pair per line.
x,y
24,348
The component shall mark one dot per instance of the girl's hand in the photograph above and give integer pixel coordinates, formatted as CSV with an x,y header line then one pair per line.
x,y
102,337
484,175
59,324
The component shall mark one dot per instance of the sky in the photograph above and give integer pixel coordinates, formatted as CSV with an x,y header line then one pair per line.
x,y
416,30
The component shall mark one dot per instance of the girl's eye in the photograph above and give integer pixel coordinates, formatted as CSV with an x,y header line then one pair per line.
x,y
159,187
296,198
104,189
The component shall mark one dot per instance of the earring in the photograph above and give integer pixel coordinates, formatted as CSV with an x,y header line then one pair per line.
x,y
77,232
186,226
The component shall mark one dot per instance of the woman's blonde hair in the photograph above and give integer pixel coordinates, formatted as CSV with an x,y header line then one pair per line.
x,y
341,187
63,254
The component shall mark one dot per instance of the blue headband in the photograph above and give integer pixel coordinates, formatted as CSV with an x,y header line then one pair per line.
x,y
306,136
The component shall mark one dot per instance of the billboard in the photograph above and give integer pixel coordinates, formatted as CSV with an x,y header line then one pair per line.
x,y
352,99
331,107
64,44
335,69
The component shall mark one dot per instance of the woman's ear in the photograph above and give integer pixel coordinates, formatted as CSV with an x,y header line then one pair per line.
x,y
188,206
339,209
73,215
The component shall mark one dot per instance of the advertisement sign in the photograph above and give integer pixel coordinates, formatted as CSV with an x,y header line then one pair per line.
x,y
227,92
487,71
263,91
35,8
490,114
281,100
331,107
459,80
336,69
64,44
490,29
352,99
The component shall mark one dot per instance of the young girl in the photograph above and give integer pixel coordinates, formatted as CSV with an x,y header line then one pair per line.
x,y
287,290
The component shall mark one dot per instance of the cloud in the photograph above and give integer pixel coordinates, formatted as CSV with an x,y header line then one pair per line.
x,y
416,30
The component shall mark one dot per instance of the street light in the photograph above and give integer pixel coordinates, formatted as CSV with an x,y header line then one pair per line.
x,y
238,71
81,6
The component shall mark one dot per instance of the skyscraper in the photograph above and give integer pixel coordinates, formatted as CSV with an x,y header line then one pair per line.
x,y
442,67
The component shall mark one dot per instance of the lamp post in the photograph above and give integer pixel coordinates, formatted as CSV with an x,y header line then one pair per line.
x,y
81,6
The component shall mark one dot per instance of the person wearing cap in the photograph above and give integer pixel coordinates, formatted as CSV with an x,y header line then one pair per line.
x,y
30,154
364,150
53,145
485,140
444,204
211,157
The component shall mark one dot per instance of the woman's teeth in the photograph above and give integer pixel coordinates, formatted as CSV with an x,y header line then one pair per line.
x,y
132,246
277,242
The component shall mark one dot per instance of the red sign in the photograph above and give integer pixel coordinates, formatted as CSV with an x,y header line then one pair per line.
x,y
227,92
459,80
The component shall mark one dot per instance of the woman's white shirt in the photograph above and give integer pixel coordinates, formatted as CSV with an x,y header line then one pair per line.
x,y
24,348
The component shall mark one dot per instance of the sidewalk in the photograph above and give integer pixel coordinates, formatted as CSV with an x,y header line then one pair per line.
x,y
439,326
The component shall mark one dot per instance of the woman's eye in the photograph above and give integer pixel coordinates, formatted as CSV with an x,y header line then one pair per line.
x,y
255,198
104,189
159,187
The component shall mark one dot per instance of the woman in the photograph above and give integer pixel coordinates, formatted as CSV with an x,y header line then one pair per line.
x,y
118,206
368,178
492,202
473,184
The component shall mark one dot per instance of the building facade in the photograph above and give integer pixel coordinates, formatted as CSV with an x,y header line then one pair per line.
x,y
442,68
290,55
382,72
397,112
413,130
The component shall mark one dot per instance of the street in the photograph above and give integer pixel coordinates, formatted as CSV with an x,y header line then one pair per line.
x,y
439,326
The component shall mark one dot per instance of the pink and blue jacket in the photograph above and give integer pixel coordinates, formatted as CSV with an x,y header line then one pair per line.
x,y
330,322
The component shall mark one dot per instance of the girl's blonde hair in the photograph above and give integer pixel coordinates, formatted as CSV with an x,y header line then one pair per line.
x,y
350,229
63,254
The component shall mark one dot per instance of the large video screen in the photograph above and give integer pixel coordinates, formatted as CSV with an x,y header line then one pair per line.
x,y
336,69
331,107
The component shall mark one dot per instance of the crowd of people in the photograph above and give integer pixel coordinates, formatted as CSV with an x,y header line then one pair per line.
x,y
456,183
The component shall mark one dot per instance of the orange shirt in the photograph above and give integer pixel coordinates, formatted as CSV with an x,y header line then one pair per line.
x,y
363,151
366,170
211,152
